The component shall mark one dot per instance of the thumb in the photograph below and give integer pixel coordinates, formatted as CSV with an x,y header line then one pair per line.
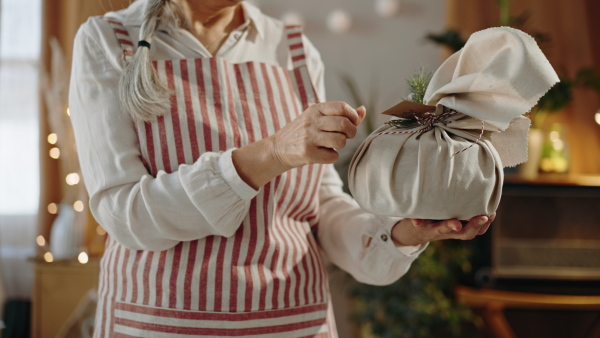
x,y
362,112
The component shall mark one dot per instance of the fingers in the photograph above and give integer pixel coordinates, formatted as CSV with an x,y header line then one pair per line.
x,y
486,226
418,222
337,124
339,109
452,228
314,136
362,113
330,140
326,155
473,228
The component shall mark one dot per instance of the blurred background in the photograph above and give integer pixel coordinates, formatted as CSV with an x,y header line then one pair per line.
x,y
535,274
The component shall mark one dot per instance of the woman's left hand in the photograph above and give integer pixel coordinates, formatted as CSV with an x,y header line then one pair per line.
x,y
419,231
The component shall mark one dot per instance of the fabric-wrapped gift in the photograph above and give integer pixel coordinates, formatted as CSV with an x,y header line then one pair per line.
x,y
449,163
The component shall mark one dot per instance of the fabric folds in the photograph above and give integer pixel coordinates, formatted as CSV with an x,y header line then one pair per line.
x,y
453,166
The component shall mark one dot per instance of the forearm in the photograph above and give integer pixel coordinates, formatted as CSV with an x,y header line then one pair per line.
x,y
155,213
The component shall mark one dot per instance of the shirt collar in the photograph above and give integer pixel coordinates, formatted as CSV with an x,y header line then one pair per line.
x,y
134,14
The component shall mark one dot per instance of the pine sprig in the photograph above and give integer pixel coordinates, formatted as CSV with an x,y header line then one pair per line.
x,y
418,84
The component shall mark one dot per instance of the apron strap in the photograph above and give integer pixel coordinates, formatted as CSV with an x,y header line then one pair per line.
x,y
298,55
294,39
123,37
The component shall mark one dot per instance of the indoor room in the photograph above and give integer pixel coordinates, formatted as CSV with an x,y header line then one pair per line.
x,y
277,168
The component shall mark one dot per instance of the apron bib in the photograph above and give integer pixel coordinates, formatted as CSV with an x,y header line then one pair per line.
x,y
269,279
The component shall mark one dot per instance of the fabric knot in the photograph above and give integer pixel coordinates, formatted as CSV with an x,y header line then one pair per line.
x,y
427,120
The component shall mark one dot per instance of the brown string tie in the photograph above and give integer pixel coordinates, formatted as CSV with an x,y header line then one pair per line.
x,y
426,120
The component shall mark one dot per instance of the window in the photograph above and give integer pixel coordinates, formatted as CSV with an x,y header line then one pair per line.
x,y
20,35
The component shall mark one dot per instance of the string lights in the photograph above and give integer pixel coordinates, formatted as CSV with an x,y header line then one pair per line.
x,y
52,138
72,179
83,257
78,206
48,257
40,240
55,153
52,208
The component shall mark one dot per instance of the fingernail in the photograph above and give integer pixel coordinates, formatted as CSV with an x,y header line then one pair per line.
x,y
483,221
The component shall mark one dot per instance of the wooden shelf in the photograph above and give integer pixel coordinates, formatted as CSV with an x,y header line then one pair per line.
x,y
556,179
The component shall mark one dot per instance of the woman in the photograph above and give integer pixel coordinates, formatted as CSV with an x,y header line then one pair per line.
x,y
207,158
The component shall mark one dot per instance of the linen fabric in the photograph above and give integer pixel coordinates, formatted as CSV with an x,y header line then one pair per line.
x,y
192,249
499,74
445,171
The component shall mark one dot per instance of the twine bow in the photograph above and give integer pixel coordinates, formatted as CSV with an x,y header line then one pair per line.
x,y
426,120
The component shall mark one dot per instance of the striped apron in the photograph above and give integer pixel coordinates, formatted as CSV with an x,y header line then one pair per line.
x,y
267,280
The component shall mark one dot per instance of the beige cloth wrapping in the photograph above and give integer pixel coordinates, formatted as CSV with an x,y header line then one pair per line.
x,y
498,76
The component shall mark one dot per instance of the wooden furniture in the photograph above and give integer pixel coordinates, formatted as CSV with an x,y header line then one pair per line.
x,y
493,304
58,289
548,229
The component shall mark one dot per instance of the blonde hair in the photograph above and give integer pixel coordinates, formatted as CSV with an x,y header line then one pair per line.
x,y
141,92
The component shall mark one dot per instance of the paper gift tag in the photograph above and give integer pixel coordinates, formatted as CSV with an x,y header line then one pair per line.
x,y
407,109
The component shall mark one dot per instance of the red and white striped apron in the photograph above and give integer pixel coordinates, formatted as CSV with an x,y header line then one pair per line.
x,y
268,280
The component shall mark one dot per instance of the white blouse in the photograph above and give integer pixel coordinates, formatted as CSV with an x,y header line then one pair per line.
x,y
208,197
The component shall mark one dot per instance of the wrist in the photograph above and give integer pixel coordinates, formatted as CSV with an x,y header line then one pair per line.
x,y
404,234
275,157
256,164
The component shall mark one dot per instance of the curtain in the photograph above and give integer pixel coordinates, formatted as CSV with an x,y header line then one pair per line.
x,y
61,20
574,44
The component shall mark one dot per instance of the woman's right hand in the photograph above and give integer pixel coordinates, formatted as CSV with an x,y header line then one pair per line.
x,y
315,135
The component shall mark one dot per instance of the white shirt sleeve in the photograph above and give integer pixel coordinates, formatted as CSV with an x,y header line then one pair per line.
x,y
141,211
359,242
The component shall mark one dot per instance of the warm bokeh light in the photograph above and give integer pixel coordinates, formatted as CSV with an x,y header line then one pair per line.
x,y
100,231
52,138
40,240
48,257
387,8
598,117
83,257
72,179
292,18
68,112
78,206
52,208
339,22
55,153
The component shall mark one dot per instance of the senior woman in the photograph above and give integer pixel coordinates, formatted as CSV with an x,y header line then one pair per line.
x,y
207,158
